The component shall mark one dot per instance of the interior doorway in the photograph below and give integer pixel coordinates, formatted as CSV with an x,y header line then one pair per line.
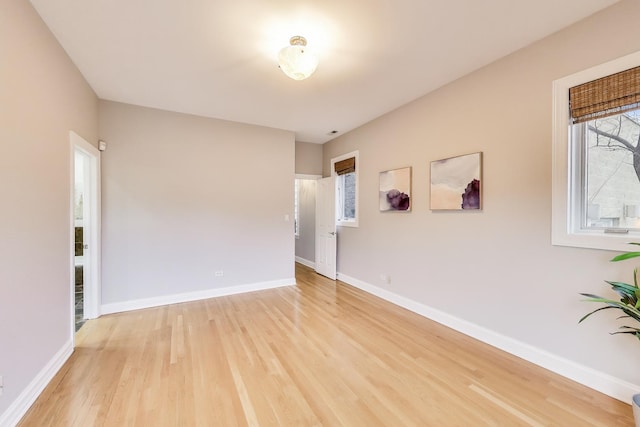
x,y
78,232
85,208
305,219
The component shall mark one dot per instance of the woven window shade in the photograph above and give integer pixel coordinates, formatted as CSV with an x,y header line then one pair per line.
x,y
605,97
345,166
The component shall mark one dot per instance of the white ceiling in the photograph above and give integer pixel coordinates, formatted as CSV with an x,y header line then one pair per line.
x,y
216,58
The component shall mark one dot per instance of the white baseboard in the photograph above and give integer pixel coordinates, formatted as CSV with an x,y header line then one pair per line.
x,y
21,405
138,304
607,384
306,262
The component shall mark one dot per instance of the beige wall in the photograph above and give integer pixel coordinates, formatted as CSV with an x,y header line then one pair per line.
x,y
308,158
495,268
186,196
42,98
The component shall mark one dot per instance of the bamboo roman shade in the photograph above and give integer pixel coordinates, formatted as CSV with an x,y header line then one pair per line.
x,y
606,96
345,166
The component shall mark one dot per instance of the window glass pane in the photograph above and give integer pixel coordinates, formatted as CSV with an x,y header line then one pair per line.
x,y
349,195
612,172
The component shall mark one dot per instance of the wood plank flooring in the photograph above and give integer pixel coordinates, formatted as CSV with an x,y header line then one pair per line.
x,y
319,353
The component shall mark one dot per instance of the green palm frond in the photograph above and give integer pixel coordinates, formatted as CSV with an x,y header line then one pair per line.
x,y
629,302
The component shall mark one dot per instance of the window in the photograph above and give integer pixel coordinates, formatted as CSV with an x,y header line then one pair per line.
x,y
345,172
596,156
611,196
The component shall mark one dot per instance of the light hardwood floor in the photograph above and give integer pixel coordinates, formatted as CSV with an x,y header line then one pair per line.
x,y
319,353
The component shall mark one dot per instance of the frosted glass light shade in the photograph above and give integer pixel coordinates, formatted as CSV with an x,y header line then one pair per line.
x,y
296,61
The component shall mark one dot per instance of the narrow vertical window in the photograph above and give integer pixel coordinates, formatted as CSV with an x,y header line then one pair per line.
x,y
345,169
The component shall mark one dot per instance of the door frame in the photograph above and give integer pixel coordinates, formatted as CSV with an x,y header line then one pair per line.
x,y
92,287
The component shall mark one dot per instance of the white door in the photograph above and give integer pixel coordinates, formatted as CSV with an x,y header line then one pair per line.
x,y
86,180
326,228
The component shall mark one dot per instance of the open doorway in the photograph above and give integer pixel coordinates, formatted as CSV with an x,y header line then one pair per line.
x,y
305,218
86,230
78,233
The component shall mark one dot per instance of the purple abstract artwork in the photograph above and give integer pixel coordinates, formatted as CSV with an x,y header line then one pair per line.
x,y
395,190
456,183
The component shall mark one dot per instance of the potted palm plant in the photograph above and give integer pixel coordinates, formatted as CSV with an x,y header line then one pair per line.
x,y
629,305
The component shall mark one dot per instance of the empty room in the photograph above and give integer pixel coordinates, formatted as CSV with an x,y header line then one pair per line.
x,y
337,213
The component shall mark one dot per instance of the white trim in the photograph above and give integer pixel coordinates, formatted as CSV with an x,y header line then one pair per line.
x,y
356,154
138,304
296,208
14,413
306,262
563,230
607,384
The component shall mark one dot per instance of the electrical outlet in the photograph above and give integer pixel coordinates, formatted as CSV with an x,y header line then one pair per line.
x,y
219,273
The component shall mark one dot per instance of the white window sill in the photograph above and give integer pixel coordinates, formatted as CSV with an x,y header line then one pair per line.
x,y
353,224
598,240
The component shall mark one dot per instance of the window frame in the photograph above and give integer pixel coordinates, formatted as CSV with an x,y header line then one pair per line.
x,y
567,175
351,222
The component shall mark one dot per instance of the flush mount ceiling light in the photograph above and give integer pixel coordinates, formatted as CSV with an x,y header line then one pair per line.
x,y
296,61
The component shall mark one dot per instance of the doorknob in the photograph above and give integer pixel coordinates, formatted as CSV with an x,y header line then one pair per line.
x,y
333,233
